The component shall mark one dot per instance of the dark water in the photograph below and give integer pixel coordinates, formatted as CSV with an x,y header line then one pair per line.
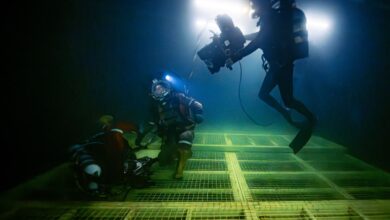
x,y
69,62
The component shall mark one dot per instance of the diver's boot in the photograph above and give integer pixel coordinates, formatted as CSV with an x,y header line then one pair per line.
x,y
184,155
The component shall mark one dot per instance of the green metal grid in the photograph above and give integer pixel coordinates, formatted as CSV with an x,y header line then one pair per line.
x,y
271,166
296,195
195,181
265,156
250,185
199,196
206,165
160,213
338,166
291,181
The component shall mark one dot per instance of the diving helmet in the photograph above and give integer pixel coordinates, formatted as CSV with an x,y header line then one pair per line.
x,y
161,90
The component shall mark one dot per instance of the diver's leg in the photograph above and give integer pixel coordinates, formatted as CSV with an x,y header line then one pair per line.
x,y
165,157
286,91
184,150
267,86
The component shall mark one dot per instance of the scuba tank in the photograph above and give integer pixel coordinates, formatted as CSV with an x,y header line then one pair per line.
x,y
300,35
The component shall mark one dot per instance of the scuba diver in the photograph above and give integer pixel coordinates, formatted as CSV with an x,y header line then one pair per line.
x,y
176,116
106,160
283,39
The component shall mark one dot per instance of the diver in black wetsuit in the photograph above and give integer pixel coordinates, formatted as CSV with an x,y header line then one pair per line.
x,y
283,39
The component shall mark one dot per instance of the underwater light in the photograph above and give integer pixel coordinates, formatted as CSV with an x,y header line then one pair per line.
x,y
169,78
224,6
318,25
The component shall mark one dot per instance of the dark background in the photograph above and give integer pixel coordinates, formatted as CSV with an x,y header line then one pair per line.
x,y
68,62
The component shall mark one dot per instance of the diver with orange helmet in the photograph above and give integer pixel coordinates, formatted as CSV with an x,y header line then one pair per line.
x,y
176,116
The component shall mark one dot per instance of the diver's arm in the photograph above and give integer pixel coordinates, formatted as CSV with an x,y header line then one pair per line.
x,y
250,48
251,37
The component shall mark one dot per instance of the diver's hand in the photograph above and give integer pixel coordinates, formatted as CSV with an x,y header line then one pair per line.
x,y
229,63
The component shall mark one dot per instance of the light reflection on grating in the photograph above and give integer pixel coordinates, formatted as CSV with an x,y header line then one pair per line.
x,y
240,140
208,155
270,166
206,165
361,180
261,140
265,156
203,196
279,140
160,213
100,213
337,166
196,181
39,213
218,214
284,181
296,196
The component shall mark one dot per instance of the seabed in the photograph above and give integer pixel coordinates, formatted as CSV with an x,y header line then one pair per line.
x,y
232,175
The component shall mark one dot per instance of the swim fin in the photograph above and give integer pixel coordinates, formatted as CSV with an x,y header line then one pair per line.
x,y
301,139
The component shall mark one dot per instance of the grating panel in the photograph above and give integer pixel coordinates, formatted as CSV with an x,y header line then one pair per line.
x,y
361,180
261,140
206,165
284,181
161,196
321,157
270,166
196,181
337,166
265,156
218,214
279,140
285,195
240,140
214,139
160,213
100,213
208,155
373,193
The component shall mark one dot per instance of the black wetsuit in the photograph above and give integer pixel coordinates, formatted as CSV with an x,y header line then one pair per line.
x,y
277,42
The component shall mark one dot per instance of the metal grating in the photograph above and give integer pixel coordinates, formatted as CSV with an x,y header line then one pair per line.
x,y
206,165
240,140
373,193
323,157
215,213
337,166
270,166
160,213
293,195
213,140
200,196
208,155
284,181
246,182
196,181
100,213
261,140
265,156
362,179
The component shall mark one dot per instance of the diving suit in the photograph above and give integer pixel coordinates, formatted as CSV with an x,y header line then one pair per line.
x,y
106,159
176,116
